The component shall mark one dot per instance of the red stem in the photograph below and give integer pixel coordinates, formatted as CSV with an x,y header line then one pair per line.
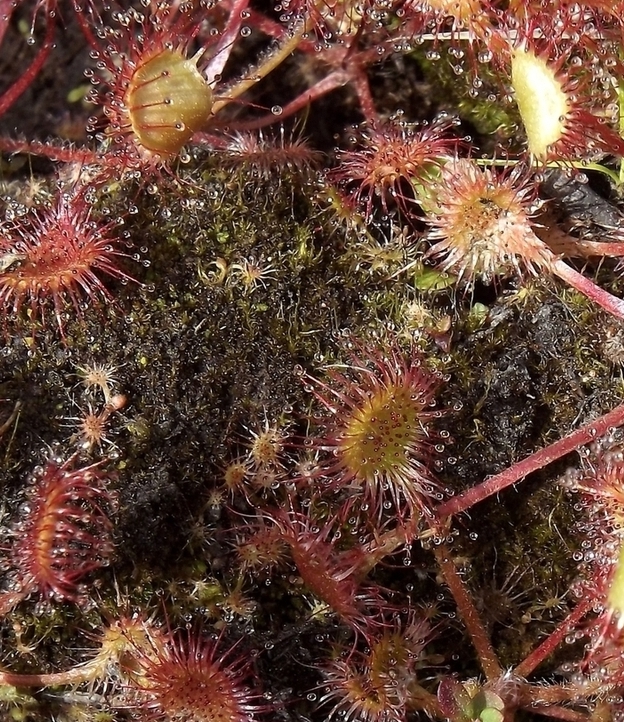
x,y
599,248
364,95
48,150
275,58
74,676
6,11
610,303
334,80
532,463
226,41
19,86
536,695
548,646
277,31
570,715
469,614
86,27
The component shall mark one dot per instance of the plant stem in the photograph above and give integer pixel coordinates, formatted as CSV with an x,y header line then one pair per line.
x,y
273,60
226,41
610,303
76,675
469,614
532,695
563,713
620,100
599,248
540,653
26,78
532,463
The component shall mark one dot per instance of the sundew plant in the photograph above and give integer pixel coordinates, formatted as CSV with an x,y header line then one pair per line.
x,y
311,360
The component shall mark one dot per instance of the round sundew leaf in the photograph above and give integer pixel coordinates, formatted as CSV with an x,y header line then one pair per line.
x,y
168,101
